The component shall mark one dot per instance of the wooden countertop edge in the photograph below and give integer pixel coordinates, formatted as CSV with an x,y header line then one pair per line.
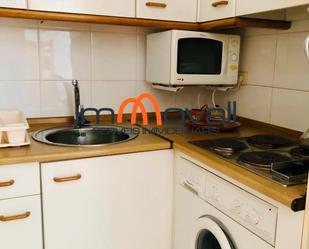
x,y
285,196
80,154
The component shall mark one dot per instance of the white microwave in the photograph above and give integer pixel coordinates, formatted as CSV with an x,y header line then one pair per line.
x,y
180,58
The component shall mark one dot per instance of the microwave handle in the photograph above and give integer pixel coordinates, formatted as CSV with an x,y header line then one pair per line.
x,y
307,46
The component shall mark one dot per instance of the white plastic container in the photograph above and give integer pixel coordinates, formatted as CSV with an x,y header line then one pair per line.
x,y
13,129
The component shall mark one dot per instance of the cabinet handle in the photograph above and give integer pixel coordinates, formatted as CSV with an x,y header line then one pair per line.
x,y
68,179
156,4
7,184
219,3
15,217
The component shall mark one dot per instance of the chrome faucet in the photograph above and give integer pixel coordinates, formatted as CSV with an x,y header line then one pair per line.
x,y
78,122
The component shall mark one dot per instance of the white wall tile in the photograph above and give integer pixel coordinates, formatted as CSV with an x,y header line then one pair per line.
x,y
55,25
22,96
58,97
114,56
14,22
65,55
257,58
141,57
188,97
19,53
222,98
114,28
254,102
290,109
292,66
112,93
164,99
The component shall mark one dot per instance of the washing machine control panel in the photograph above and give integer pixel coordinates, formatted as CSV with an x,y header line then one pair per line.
x,y
255,214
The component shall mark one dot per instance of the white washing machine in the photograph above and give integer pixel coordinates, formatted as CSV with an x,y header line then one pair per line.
x,y
211,213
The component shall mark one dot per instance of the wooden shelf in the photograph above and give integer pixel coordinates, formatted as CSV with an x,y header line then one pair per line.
x,y
237,22
242,22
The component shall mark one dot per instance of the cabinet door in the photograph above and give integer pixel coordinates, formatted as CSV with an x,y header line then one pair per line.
x,y
180,10
124,8
216,9
20,223
20,4
245,7
120,201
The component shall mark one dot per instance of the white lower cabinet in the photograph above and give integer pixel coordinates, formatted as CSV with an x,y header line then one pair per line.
x,y
120,202
170,10
21,223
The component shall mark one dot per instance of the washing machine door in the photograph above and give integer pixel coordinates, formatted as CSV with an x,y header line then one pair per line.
x,y
208,234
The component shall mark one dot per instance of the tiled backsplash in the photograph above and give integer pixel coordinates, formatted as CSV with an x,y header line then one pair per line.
x,y
39,60
278,75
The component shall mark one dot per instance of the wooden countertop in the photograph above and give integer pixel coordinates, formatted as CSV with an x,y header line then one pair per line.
x,y
285,195
39,152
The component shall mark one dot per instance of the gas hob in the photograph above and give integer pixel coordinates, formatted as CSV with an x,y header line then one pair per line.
x,y
274,157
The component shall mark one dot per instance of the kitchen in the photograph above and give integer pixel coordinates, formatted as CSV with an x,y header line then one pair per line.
x,y
164,190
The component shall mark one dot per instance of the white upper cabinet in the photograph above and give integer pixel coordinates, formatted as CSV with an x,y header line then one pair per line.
x,y
20,4
122,201
170,10
125,8
245,7
210,10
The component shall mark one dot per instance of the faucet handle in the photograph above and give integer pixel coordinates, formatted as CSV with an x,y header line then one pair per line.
x,y
75,82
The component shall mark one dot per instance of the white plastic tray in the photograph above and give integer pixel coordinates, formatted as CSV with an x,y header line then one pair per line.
x,y
27,142
13,129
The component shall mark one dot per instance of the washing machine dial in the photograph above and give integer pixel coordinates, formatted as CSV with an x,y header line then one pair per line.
x,y
236,206
252,218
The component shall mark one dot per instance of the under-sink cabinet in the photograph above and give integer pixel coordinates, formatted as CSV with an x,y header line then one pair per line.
x,y
20,207
122,201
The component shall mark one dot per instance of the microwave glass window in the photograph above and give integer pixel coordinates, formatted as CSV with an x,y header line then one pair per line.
x,y
199,56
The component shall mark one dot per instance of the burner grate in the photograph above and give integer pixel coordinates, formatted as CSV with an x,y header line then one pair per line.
x,y
269,141
300,152
262,159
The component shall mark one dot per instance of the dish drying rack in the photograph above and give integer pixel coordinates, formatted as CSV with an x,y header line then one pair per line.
x,y
13,129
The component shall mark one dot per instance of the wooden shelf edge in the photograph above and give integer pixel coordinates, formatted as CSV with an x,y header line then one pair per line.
x,y
236,22
83,18
242,22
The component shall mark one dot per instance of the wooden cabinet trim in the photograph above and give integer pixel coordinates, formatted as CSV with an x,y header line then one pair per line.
x,y
236,22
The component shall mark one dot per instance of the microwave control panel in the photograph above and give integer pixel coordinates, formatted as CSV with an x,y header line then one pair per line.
x,y
233,59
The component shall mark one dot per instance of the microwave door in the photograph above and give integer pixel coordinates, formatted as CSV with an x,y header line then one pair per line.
x,y
200,61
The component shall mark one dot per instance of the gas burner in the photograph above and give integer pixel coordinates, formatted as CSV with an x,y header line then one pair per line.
x,y
227,146
268,141
262,159
300,151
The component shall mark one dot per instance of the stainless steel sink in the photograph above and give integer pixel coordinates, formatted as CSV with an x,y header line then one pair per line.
x,y
84,137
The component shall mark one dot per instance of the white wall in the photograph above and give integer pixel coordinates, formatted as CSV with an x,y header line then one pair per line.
x,y
39,60
278,75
